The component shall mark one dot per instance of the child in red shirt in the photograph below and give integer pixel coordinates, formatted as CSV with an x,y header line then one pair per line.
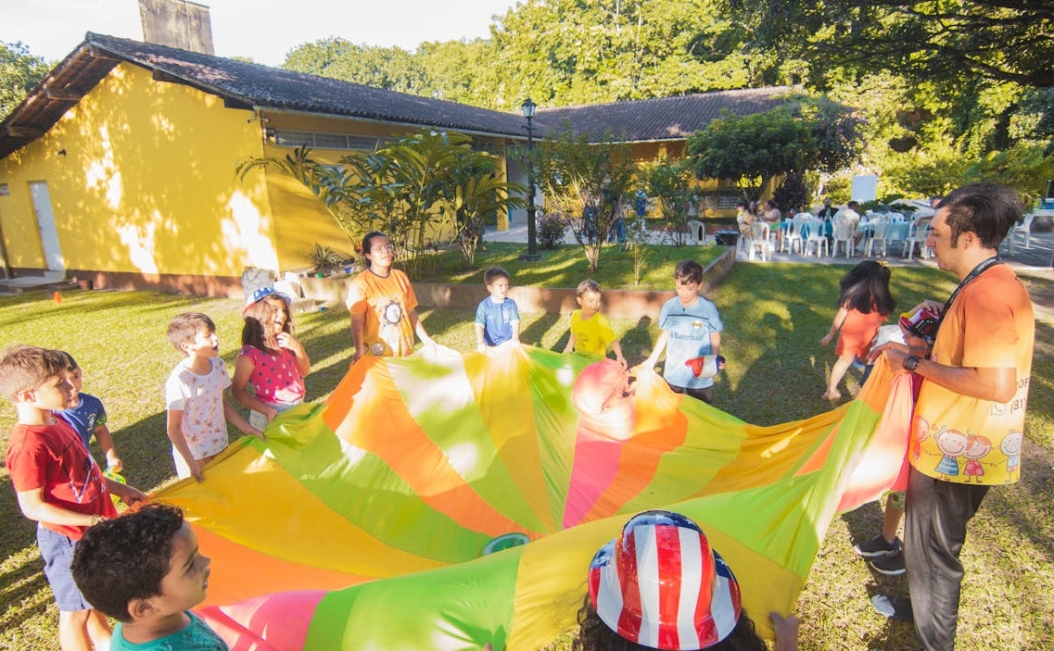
x,y
57,483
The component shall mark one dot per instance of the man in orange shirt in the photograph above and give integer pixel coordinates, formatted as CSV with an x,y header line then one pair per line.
x,y
969,420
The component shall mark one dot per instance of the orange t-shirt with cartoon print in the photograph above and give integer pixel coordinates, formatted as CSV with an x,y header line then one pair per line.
x,y
960,439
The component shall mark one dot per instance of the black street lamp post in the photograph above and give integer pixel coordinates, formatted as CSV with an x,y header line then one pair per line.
x,y
532,254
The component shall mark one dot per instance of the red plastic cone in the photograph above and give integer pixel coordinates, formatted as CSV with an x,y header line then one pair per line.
x,y
58,296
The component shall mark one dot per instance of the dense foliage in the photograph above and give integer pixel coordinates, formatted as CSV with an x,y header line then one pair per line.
x,y
586,182
1001,40
20,71
417,189
753,149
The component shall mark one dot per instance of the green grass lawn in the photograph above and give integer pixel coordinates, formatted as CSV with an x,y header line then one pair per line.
x,y
774,316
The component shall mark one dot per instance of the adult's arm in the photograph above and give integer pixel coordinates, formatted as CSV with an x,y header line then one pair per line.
x,y
419,327
358,329
995,384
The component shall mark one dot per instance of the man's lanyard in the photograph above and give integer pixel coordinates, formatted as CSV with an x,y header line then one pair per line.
x,y
984,266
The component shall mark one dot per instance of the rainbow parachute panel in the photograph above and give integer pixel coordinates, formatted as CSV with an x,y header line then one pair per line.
x,y
446,502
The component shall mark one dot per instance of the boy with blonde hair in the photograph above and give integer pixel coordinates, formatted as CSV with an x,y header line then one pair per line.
x,y
198,411
590,331
57,483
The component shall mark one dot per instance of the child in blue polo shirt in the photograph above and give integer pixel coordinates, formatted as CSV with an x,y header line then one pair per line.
x,y
497,318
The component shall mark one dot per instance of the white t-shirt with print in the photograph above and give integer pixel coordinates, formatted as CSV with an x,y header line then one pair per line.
x,y
200,398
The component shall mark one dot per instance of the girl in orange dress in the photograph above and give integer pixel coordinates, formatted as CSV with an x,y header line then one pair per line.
x,y
864,304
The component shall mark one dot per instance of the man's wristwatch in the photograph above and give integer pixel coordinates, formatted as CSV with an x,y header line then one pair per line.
x,y
911,363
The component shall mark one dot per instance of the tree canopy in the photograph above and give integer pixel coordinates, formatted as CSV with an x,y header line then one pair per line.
x,y
755,148
1002,40
20,71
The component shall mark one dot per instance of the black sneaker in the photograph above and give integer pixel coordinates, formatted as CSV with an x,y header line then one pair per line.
x,y
895,608
890,565
877,546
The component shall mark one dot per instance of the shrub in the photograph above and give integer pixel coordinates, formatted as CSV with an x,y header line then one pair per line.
x,y
551,230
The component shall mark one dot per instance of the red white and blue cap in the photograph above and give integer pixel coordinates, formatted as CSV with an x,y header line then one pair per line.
x,y
659,584
259,295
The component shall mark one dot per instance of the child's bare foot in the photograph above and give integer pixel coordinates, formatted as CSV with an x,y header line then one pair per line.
x,y
832,396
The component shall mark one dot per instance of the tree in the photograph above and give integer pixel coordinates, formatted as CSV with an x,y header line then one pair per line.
x,y
379,67
587,181
564,52
672,184
1003,40
751,149
418,188
20,72
807,135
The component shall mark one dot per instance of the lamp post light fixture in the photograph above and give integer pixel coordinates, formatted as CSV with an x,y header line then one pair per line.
x,y
532,254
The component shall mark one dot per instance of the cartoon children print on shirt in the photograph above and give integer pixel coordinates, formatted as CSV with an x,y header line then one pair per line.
x,y
977,448
952,444
1011,447
921,433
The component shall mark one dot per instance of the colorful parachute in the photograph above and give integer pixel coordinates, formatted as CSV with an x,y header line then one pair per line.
x,y
394,515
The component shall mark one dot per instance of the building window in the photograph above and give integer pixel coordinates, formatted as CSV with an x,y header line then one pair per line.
x,y
319,140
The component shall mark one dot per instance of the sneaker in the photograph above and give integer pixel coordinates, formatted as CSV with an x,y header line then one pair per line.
x,y
877,546
890,565
895,608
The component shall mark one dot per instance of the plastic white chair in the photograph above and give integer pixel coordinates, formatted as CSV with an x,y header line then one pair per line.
x,y
759,242
1025,228
793,235
879,235
696,232
895,217
816,239
918,234
843,234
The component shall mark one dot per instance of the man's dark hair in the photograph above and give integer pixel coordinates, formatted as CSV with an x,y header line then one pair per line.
x,y
988,210
688,271
493,273
126,558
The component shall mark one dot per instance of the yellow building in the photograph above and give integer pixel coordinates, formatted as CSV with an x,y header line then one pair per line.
x,y
119,168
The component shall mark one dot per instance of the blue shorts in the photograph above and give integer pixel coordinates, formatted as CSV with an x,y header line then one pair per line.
x,y
57,551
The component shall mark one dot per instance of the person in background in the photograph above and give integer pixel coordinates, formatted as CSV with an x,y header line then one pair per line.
x,y
771,215
864,303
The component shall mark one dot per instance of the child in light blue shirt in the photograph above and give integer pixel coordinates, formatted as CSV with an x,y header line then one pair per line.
x,y
497,318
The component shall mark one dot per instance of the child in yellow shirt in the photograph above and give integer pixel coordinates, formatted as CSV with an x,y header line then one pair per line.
x,y
590,331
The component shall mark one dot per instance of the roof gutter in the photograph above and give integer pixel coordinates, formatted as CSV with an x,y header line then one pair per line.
x,y
418,125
